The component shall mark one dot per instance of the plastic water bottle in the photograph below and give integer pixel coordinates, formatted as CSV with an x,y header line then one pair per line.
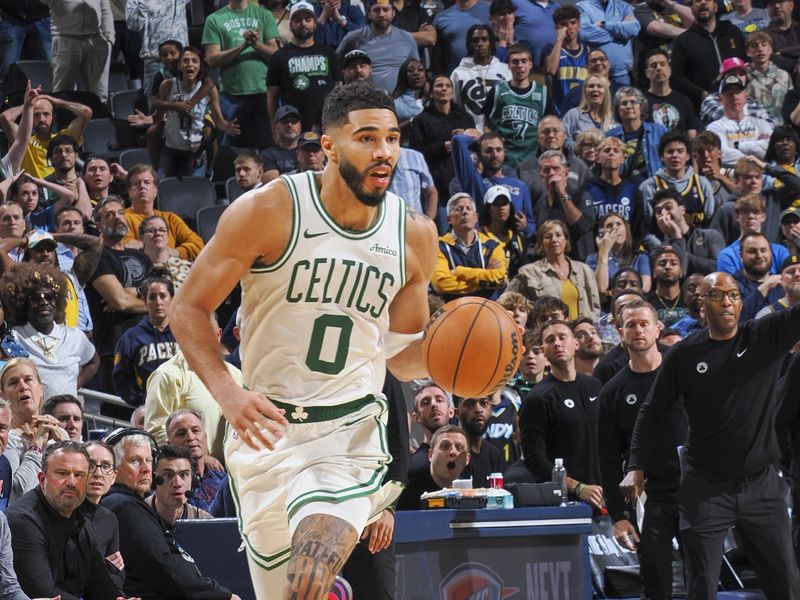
x,y
560,477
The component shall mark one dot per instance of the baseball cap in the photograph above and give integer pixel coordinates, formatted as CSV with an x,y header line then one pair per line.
x,y
40,237
309,138
788,262
500,6
356,56
732,63
286,110
494,193
791,211
730,81
301,6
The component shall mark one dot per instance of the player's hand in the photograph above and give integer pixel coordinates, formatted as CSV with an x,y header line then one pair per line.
x,y
380,532
213,463
632,485
116,560
593,494
625,534
254,418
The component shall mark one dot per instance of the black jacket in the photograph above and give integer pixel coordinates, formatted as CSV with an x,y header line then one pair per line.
x,y
107,528
429,132
697,55
26,10
155,568
54,555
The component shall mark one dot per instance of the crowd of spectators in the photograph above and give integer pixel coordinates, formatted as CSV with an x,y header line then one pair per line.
x,y
578,158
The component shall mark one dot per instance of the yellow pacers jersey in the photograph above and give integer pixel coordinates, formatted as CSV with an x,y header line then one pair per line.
x,y
313,321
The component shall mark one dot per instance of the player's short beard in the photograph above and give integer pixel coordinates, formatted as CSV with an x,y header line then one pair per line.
x,y
355,181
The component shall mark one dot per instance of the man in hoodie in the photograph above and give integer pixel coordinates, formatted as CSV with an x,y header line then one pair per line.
x,y
674,148
698,52
83,33
611,25
478,72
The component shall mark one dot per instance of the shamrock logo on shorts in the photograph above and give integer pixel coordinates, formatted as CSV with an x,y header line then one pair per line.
x,y
299,414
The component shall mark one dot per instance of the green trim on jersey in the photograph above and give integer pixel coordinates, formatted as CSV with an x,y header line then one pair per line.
x,y
315,414
287,252
267,562
356,491
351,234
402,238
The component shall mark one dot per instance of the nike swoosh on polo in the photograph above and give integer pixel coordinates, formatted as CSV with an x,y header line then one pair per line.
x,y
741,354
308,235
592,398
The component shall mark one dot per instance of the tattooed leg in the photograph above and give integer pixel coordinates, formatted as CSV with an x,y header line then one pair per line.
x,y
320,546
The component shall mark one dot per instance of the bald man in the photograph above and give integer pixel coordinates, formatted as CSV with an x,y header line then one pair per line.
x,y
725,375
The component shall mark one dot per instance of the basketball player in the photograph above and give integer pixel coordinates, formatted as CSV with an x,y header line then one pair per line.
x,y
334,274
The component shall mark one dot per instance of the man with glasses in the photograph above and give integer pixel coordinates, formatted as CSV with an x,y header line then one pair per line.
x,y
155,566
62,153
725,377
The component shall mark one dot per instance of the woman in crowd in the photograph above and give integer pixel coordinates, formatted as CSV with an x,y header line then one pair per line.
x,y
64,356
586,146
557,275
102,474
185,132
614,251
431,132
411,91
154,233
149,343
497,221
30,432
594,111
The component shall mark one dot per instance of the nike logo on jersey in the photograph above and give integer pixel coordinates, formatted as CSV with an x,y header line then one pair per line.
x,y
308,235
592,398
741,354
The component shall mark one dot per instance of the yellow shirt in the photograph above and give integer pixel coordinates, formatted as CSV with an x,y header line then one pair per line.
x,y
71,312
179,234
569,295
35,160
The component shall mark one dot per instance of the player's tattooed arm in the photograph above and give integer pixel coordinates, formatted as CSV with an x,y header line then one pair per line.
x,y
415,215
320,546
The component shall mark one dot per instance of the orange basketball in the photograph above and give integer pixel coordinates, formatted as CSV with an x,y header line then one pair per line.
x,y
472,347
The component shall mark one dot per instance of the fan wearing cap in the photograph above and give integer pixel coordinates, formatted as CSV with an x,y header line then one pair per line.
x,y
497,221
281,158
711,108
470,263
698,51
790,229
387,46
790,283
310,156
740,134
302,72
356,66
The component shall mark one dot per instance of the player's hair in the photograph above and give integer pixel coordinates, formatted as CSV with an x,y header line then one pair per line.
x,y
514,301
668,194
756,38
350,97
565,13
49,407
779,134
62,139
68,447
17,285
487,29
656,52
248,155
673,136
750,202
706,140
746,166
92,443
630,91
445,429
633,305
545,229
138,170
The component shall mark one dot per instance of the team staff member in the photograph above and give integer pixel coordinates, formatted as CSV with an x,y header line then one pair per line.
x,y
620,401
726,378
559,418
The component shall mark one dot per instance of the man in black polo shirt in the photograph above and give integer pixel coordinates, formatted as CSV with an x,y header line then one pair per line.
x,y
558,418
620,401
726,378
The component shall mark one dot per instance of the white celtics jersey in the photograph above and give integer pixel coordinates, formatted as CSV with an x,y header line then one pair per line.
x,y
313,321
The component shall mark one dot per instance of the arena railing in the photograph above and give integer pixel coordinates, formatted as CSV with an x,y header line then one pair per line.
x,y
97,424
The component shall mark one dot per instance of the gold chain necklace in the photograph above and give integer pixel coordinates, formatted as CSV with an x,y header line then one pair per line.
x,y
47,350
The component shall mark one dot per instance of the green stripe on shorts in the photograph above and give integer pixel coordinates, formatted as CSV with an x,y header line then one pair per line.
x,y
316,414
